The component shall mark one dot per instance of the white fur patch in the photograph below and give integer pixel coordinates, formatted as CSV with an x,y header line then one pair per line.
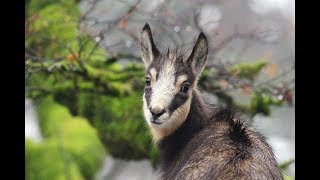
x,y
163,90
172,123
153,73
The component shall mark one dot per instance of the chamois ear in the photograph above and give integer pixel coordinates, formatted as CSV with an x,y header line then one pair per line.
x,y
198,56
148,48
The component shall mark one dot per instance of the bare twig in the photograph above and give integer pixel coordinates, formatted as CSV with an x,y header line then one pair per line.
x,y
84,16
124,17
238,84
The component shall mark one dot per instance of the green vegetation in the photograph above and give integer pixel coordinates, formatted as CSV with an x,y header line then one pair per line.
x,y
86,82
261,98
284,165
261,102
52,116
73,137
49,161
81,140
248,70
120,123
288,177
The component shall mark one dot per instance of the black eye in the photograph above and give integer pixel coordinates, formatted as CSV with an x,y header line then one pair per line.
x,y
185,87
148,81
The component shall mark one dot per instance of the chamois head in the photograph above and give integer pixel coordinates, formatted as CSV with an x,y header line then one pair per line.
x,y
170,82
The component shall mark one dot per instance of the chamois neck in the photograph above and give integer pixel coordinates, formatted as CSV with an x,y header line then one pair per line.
x,y
171,146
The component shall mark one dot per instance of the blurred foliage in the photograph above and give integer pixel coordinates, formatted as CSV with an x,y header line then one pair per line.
x,y
51,117
284,165
74,77
87,83
247,69
120,123
50,26
288,177
82,141
48,161
245,74
74,134
261,102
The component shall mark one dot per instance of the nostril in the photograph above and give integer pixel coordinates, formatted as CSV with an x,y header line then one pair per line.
x,y
162,112
155,115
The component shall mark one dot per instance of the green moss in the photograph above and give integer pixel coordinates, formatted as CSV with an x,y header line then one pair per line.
x,y
52,27
76,135
51,116
106,93
48,161
82,142
127,139
36,5
261,102
247,69
120,123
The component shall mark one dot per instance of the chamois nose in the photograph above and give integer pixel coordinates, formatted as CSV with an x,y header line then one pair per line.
x,y
156,113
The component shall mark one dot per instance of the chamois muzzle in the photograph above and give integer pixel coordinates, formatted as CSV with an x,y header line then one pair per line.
x,y
156,114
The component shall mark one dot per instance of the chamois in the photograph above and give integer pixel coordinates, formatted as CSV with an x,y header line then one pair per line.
x,y
197,140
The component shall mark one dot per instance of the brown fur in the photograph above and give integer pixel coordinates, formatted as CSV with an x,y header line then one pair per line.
x,y
212,152
196,139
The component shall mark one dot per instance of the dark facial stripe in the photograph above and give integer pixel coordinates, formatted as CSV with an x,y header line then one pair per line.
x,y
179,99
182,68
147,94
157,64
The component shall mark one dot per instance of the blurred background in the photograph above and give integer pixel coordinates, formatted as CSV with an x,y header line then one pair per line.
x,y
84,78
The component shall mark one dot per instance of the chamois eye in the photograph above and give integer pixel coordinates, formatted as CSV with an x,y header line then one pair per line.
x,y
148,81
185,87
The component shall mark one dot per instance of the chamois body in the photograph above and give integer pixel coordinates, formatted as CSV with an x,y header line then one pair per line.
x,y
215,143
196,139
